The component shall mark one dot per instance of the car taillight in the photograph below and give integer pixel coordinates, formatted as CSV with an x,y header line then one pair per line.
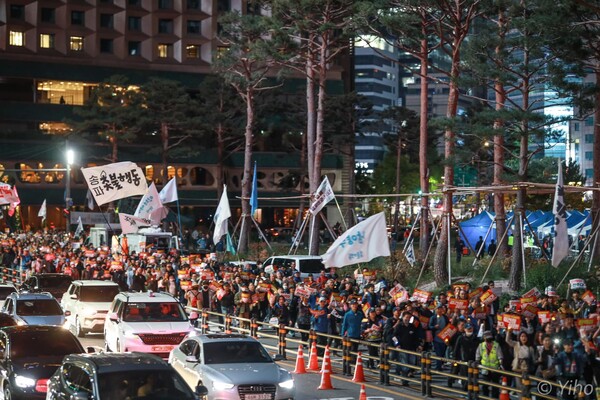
x,y
41,385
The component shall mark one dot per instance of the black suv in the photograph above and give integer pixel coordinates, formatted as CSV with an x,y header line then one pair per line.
x,y
55,284
29,355
112,376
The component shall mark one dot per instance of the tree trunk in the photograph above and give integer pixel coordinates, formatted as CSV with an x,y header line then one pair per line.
x,y
516,267
164,138
247,174
423,140
311,138
595,246
397,202
219,130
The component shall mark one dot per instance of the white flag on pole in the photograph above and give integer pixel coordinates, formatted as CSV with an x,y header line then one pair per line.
x,y
79,229
361,243
168,194
221,215
89,199
8,194
42,212
322,196
131,224
561,239
149,203
410,254
115,181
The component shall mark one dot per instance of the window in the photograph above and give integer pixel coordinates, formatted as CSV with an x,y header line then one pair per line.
x,y
17,11
589,173
134,48
134,2
134,24
47,40
194,27
192,51
589,121
165,4
77,18
16,38
165,26
589,155
48,15
106,20
193,4
589,138
576,126
106,45
163,50
223,6
76,43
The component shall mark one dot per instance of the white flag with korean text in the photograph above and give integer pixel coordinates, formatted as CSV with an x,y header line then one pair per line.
x,y
79,230
561,237
115,181
42,213
361,243
321,197
149,204
221,215
410,254
131,224
168,194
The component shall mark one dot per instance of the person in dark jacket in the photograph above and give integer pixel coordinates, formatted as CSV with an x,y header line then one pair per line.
x,y
351,325
465,349
570,366
408,336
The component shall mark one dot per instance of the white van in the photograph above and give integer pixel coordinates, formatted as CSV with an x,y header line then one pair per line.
x,y
305,264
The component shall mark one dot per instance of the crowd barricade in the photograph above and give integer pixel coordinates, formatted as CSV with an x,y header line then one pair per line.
x,y
430,382
12,275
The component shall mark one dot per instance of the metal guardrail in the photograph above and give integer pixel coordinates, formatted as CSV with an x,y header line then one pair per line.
x,y
12,275
430,381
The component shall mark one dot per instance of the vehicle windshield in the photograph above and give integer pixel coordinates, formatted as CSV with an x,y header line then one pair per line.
x,y
98,294
50,343
6,291
148,385
154,312
311,266
38,307
54,281
235,352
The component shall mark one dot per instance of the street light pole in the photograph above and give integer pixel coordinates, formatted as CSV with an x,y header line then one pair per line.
x,y
68,201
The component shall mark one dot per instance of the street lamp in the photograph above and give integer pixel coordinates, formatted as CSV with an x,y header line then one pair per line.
x,y
68,202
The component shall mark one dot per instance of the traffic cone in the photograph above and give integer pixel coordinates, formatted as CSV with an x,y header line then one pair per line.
x,y
326,374
300,367
504,392
359,373
327,359
313,359
363,393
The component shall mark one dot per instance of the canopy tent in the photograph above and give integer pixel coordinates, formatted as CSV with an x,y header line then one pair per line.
x,y
477,226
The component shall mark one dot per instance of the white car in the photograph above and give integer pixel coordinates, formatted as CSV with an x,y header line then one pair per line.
x,y
5,290
88,302
231,367
148,322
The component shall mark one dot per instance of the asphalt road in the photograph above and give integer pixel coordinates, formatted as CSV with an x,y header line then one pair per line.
x,y
307,384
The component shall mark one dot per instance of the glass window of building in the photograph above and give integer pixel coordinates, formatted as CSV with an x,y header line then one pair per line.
x,y
223,6
194,27
48,15
134,48
17,11
165,26
106,20
76,43
134,24
193,4
77,18
47,40
69,91
589,155
106,45
16,38
163,50
165,4
192,51
134,3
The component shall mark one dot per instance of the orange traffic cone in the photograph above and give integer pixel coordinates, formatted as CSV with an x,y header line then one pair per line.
x,y
359,373
313,359
326,374
504,392
327,359
363,393
300,367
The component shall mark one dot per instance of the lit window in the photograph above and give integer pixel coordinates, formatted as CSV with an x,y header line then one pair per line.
x,y
46,41
192,51
76,43
16,38
163,50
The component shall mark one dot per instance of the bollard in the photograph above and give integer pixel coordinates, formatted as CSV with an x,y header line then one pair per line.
x,y
346,369
253,328
228,324
469,380
526,386
282,343
384,365
475,376
423,373
204,321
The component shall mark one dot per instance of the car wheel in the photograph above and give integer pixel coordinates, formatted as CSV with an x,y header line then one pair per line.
x,y
7,393
78,330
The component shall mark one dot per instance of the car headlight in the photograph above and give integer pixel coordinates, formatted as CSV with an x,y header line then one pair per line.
x,y
23,381
88,311
289,384
222,385
21,322
130,335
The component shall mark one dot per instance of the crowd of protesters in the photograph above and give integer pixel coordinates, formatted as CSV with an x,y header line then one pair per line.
x,y
538,333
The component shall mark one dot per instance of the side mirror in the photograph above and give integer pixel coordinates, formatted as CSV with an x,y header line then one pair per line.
x,y
67,313
278,357
191,359
90,349
73,296
201,392
113,317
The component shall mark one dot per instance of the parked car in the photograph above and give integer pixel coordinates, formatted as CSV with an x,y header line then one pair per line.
x,y
231,366
35,309
88,302
148,322
29,355
112,376
5,290
56,284
304,264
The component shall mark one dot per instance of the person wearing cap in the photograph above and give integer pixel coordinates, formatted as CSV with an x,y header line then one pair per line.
x,y
369,296
465,350
372,330
351,325
320,322
570,367
489,354
407,335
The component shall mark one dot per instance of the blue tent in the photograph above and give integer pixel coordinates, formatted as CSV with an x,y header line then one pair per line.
x,y
477,226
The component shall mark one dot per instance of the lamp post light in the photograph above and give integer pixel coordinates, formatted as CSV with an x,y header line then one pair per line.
x,y
68,201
